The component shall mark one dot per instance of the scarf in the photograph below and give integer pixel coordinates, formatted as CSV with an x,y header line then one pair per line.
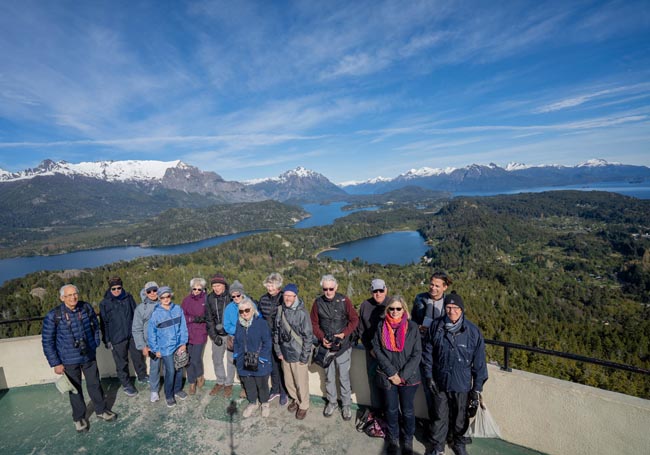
x,y
451,327
393,333
244,322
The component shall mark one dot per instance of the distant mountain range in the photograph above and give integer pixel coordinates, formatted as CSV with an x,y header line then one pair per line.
x,y
302,185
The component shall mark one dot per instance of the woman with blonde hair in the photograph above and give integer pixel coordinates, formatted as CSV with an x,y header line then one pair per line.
x,y
398,349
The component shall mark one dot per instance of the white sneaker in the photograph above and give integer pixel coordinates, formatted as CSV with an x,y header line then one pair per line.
x,y
266,409
250,409
154,397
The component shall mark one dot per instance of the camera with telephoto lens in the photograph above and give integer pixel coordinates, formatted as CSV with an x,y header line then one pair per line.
x,y
334,341
82,346
220,330
285,337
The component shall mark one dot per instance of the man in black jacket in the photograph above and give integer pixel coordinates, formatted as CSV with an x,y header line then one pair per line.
x,y
216,302
116,313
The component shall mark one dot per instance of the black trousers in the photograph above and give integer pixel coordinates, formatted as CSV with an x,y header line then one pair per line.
x,y
121,353
450,421
277,379
77,401
256,387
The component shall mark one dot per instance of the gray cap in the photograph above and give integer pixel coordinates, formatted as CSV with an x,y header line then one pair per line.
x,y
236,287
164,290
377,284
150,285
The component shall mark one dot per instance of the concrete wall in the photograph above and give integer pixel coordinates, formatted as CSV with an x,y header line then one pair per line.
x,y
549,415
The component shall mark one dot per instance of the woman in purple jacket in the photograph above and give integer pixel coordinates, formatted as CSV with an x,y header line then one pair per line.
x,y
194,311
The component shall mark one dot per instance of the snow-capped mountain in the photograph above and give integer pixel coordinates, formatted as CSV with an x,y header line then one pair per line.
x,y
514,176
298,184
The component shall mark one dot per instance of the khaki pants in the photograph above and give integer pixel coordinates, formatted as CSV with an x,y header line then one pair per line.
x,y
296,378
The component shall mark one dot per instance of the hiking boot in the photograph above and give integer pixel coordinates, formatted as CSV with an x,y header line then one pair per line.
x,y
407,447
200,382
130,391
393,447
346,413
458,449
293,406
171,402
227,391
180,395
192,389
266,409
144,379
329,409
250,409
301,414
107,416
154,397
81,425
216,389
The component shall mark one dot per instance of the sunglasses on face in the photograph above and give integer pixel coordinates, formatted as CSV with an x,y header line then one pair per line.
x,y
452,308
151,291
379,291
395,309
197,289
328,289
116,288
165,297
236,296
245,311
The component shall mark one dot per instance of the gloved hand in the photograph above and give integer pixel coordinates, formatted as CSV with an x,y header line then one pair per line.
x,y
109,346
473,402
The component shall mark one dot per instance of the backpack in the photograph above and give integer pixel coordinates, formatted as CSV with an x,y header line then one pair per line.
x,y
86,308
372,425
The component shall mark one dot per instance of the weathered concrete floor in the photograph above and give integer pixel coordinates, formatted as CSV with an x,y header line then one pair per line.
x,y
37,420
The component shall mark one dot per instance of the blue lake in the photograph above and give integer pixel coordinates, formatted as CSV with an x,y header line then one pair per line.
x,y
402,248
322,215
639,191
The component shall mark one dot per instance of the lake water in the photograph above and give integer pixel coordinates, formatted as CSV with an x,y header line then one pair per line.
x,y
402,248
639,191
322,215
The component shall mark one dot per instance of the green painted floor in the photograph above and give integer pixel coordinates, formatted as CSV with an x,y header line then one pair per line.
x,y
37,420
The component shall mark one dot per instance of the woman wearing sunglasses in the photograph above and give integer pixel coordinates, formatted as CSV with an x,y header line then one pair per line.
x,y
252,356
398,349
194,310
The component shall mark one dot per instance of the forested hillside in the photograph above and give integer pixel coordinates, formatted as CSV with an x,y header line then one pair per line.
x,y
568,271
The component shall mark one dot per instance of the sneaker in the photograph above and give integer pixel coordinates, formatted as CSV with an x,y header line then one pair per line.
x,y
250,409
144,379
346,413
216,389
81,425
266,409
283,400
154,397
171,402
293,406
130,391
329,409
107,416
227,391
181,395
273,396
301,414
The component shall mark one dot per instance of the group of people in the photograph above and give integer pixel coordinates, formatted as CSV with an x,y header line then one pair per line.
x,y
273,340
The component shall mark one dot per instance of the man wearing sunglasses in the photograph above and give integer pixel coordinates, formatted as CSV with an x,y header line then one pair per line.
x,y
149,297
116,312
334,319
371,312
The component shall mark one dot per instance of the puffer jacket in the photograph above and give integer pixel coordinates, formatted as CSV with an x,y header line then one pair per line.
x,y
141,317
214,309
405,363
58,338
456,361
284,343
116,317
167,329
268,306
256,338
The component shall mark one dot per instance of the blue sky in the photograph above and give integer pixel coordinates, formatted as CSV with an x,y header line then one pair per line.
x,y
350,89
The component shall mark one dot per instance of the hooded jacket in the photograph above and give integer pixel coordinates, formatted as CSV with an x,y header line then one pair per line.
x,y
141,317
456,361
167,329
116,315
58,337
284,343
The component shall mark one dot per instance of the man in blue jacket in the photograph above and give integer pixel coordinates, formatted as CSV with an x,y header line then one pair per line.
x,y
70,339
116,311
455,371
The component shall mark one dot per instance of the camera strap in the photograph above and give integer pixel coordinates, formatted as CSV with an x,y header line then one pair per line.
x,y
289,328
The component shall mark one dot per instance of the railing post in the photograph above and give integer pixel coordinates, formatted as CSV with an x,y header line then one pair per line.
x,y
506,359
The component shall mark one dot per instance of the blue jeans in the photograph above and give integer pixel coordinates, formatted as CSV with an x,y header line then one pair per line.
x,y
400,399
173,377
154,374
